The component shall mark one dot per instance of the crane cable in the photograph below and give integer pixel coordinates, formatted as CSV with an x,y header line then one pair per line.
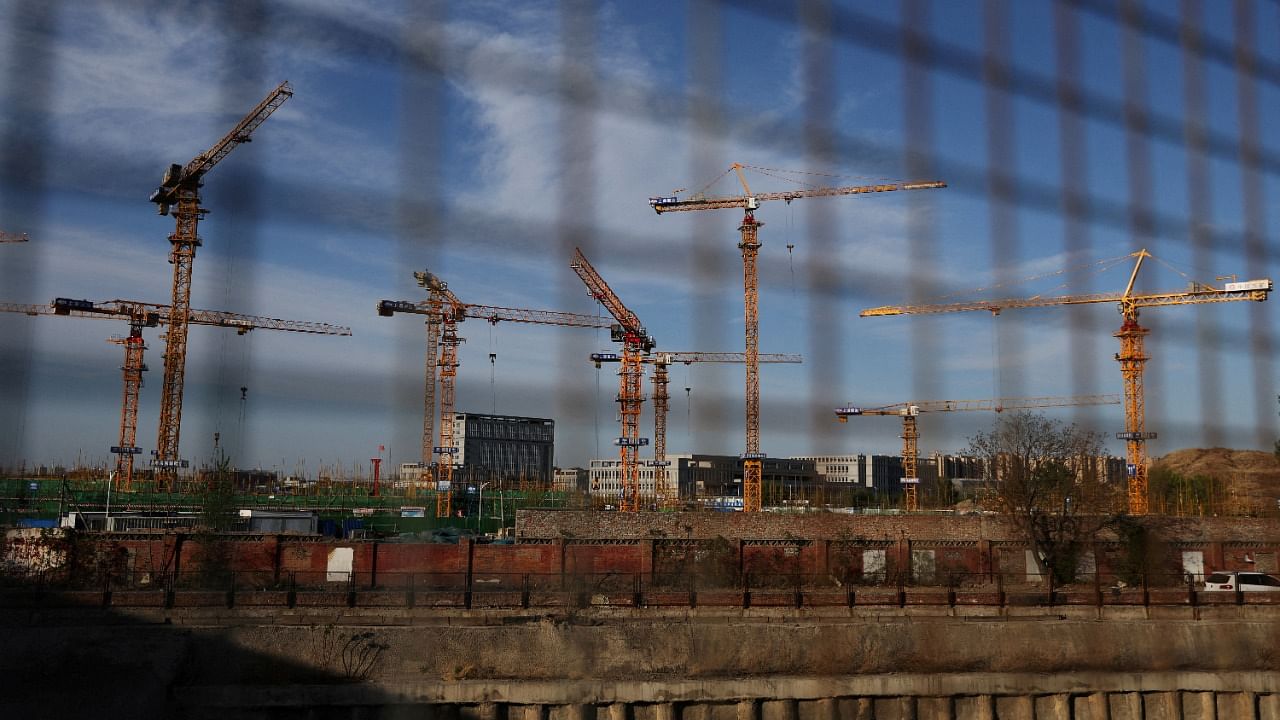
x,y
1099,267
781,174
791,246
596,404
493,357
995,356
228,278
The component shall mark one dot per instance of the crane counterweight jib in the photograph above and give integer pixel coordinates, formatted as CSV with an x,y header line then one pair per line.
x,y
154,314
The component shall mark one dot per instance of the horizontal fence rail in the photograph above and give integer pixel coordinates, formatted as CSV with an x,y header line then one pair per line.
x,y
634,590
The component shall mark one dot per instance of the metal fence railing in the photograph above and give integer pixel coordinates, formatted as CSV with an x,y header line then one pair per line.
x,y
525,590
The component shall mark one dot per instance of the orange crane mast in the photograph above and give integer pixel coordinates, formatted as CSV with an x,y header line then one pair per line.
x,y
636,345
1132,356
750,247
141,315
180,191
910,432
443,311
660,380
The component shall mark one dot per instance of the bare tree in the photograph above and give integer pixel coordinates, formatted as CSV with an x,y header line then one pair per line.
x,y
1045,477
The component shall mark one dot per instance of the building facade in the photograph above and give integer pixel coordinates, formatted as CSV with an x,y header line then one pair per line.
x,y
505,449
605,479
700,477
574,479
834,468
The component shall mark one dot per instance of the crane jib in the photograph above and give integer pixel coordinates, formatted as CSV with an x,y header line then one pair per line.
x,y
673,203
177,176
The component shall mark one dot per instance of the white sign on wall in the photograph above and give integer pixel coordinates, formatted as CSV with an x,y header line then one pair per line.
x,y
340,562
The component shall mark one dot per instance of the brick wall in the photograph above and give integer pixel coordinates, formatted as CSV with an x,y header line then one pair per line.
x,y
703,545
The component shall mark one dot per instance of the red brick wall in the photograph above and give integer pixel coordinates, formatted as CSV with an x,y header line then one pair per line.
x,y
714,555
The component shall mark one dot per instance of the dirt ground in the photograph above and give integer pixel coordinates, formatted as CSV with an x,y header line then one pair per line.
x,y
1251,477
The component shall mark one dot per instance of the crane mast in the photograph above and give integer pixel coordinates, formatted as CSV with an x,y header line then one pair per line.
x,y
180,191
660,381
446,310
752,459
429,386
661,403
909,411
141,315
131,375
443,311
1132,356
752,466
448,368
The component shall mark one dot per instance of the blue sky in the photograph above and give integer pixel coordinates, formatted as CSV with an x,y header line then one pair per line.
x,y
464,138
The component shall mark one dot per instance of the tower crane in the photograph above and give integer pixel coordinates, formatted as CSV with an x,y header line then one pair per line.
x,y
660,380
910,434
1132,356
443,311
180,191
750,247
636,345
8,237
141,315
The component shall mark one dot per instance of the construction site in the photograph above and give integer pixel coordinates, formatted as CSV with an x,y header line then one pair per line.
x,y
495,419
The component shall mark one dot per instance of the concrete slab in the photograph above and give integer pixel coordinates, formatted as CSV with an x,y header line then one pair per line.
x,y
824,709
856,708
571,712
526,712
1161,706
895,708
934,708
976,707
1198,706
656,711
1090,707
1015,707
773,710
1053,707
1269,707
1241,705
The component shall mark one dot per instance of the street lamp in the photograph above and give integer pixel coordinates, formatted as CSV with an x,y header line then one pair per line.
x,y
480,506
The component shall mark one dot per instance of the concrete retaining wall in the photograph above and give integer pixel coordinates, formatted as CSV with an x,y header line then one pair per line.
x,y
775,663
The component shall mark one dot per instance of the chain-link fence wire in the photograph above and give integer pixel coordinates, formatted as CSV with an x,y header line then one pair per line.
x,y
1220,58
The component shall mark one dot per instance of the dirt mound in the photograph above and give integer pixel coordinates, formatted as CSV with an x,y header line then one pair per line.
x,y
1252,477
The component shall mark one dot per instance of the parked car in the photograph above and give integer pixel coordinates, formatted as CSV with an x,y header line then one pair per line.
x,y
1244,581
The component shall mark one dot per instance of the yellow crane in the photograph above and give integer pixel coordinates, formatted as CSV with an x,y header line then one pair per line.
x,y
636,345
750,247
141,315
908,411
660,380
1132,356
180,191
444,311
